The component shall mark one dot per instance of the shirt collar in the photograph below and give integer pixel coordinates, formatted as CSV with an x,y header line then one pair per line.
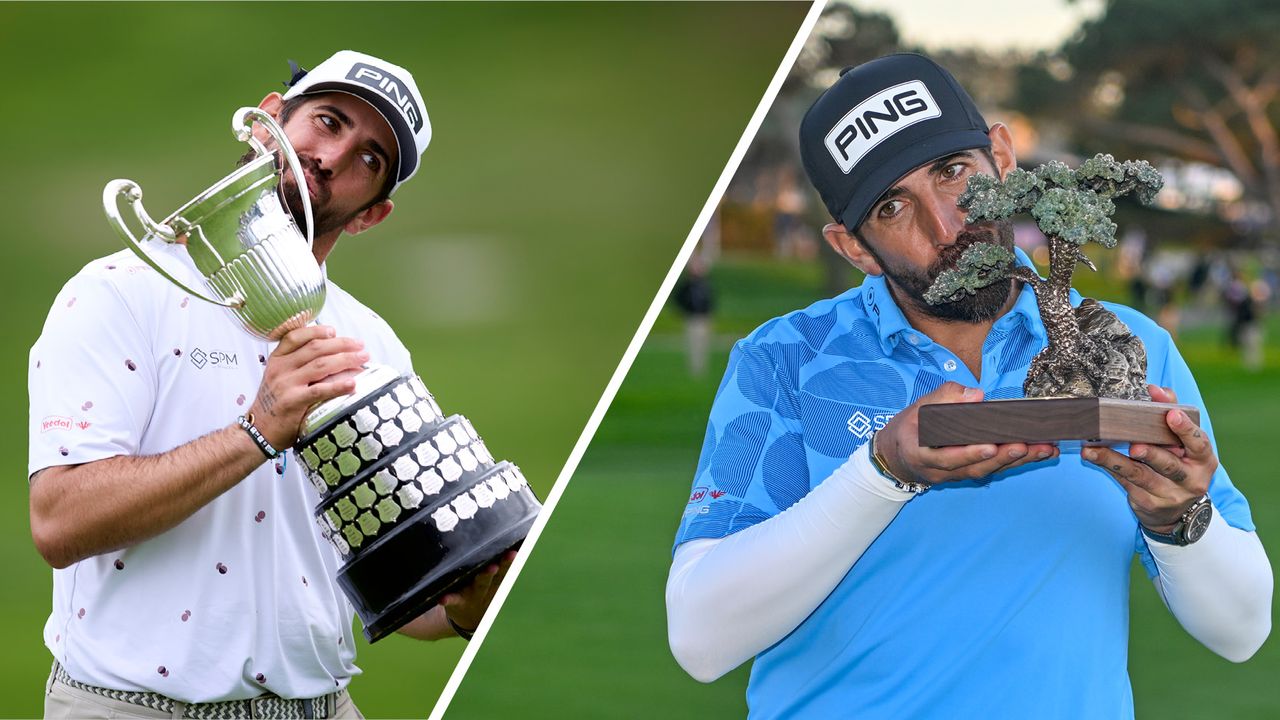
x,y
890,323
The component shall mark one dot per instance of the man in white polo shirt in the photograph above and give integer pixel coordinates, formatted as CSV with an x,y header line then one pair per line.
x,y
190,577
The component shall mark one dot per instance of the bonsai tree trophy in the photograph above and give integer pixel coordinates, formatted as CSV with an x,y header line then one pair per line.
x,y
1089,382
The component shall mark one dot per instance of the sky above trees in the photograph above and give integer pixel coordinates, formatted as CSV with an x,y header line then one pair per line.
x,y
990,25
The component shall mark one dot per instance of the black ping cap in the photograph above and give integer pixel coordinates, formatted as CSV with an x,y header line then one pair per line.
x,y
880,121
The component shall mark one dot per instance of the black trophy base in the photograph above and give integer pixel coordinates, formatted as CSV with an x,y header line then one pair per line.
x,y
406,573
1091,421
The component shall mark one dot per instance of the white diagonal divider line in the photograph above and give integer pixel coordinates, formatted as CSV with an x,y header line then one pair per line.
x,y
637,341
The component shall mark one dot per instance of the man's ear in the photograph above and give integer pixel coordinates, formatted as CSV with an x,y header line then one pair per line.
x,y
368,217
850,248
1002,149
272,104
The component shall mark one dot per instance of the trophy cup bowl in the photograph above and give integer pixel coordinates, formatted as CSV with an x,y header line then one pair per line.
x,y
413,502
240,237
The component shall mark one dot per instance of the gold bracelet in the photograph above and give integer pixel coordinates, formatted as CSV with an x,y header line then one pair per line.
x,y
882,467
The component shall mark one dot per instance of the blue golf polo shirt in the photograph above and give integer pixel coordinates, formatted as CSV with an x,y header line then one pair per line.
x,y
1005,597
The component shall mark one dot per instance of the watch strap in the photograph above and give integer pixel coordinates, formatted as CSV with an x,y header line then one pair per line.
x,y
1169,538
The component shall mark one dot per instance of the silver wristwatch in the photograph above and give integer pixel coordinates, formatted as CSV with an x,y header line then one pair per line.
x,y
1189,528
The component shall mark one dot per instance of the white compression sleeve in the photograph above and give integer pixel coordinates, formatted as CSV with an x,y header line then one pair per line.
x,y
720,615
1219,588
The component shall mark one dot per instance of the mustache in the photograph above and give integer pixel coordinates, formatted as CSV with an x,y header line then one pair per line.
x,y
317,179
949,256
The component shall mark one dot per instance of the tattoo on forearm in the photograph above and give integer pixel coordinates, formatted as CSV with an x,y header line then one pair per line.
x,y
1195,434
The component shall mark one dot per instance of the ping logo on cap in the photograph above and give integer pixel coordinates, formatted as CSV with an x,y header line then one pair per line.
x,y
390,86
877,118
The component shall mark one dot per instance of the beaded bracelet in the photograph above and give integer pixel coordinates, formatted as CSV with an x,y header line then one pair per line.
x,y
246,422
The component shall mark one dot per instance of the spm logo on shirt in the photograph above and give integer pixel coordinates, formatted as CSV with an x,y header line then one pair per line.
x,y
215,358
698,494
876,119
863,425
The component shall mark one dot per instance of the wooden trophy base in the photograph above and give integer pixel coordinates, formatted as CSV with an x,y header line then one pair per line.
x,y
1093,421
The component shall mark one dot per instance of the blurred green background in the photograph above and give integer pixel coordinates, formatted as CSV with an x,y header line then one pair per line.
x,y
574,145
583,632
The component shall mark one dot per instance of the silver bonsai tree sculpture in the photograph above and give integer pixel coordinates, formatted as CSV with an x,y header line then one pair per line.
x,y
1091,353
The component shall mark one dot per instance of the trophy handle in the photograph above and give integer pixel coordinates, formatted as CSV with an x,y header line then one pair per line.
x,y
111,203
242,126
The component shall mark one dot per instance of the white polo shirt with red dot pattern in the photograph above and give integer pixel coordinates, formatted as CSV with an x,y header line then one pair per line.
x,y
239,598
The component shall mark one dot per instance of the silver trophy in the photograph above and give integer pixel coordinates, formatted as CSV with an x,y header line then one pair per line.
x,y
412,500
241,238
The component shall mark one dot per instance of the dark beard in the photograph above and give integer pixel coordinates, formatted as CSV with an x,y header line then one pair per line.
x,y
983,305
326,222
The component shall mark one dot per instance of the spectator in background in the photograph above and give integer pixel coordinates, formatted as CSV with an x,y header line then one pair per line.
x,y
694,297
1244,301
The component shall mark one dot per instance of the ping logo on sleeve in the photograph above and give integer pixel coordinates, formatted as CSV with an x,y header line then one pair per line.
x,y
390,86
876,119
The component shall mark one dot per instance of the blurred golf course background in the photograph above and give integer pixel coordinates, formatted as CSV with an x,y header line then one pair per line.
x,y
583,632
574,145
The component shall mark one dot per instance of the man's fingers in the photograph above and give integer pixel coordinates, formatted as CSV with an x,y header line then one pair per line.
x,y
480,586
329,365
951,392
1007,457
1120,467
1140,499
321,347
1192,437
348,374
958,456
973,462
295,339
1032,454
1162,394
327,390
1160,460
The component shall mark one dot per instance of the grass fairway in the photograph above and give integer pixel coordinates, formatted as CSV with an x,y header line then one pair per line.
x,y
583,633
573,146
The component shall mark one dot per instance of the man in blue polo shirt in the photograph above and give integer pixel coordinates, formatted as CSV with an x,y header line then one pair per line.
x,y
873,578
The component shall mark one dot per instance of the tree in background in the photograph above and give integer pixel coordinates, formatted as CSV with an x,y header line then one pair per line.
x,y
1197,81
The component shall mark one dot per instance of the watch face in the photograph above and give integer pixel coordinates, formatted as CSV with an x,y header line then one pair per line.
x,y
1198,523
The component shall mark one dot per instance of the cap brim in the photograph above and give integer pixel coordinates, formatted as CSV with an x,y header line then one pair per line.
x,y
883,177
399,126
